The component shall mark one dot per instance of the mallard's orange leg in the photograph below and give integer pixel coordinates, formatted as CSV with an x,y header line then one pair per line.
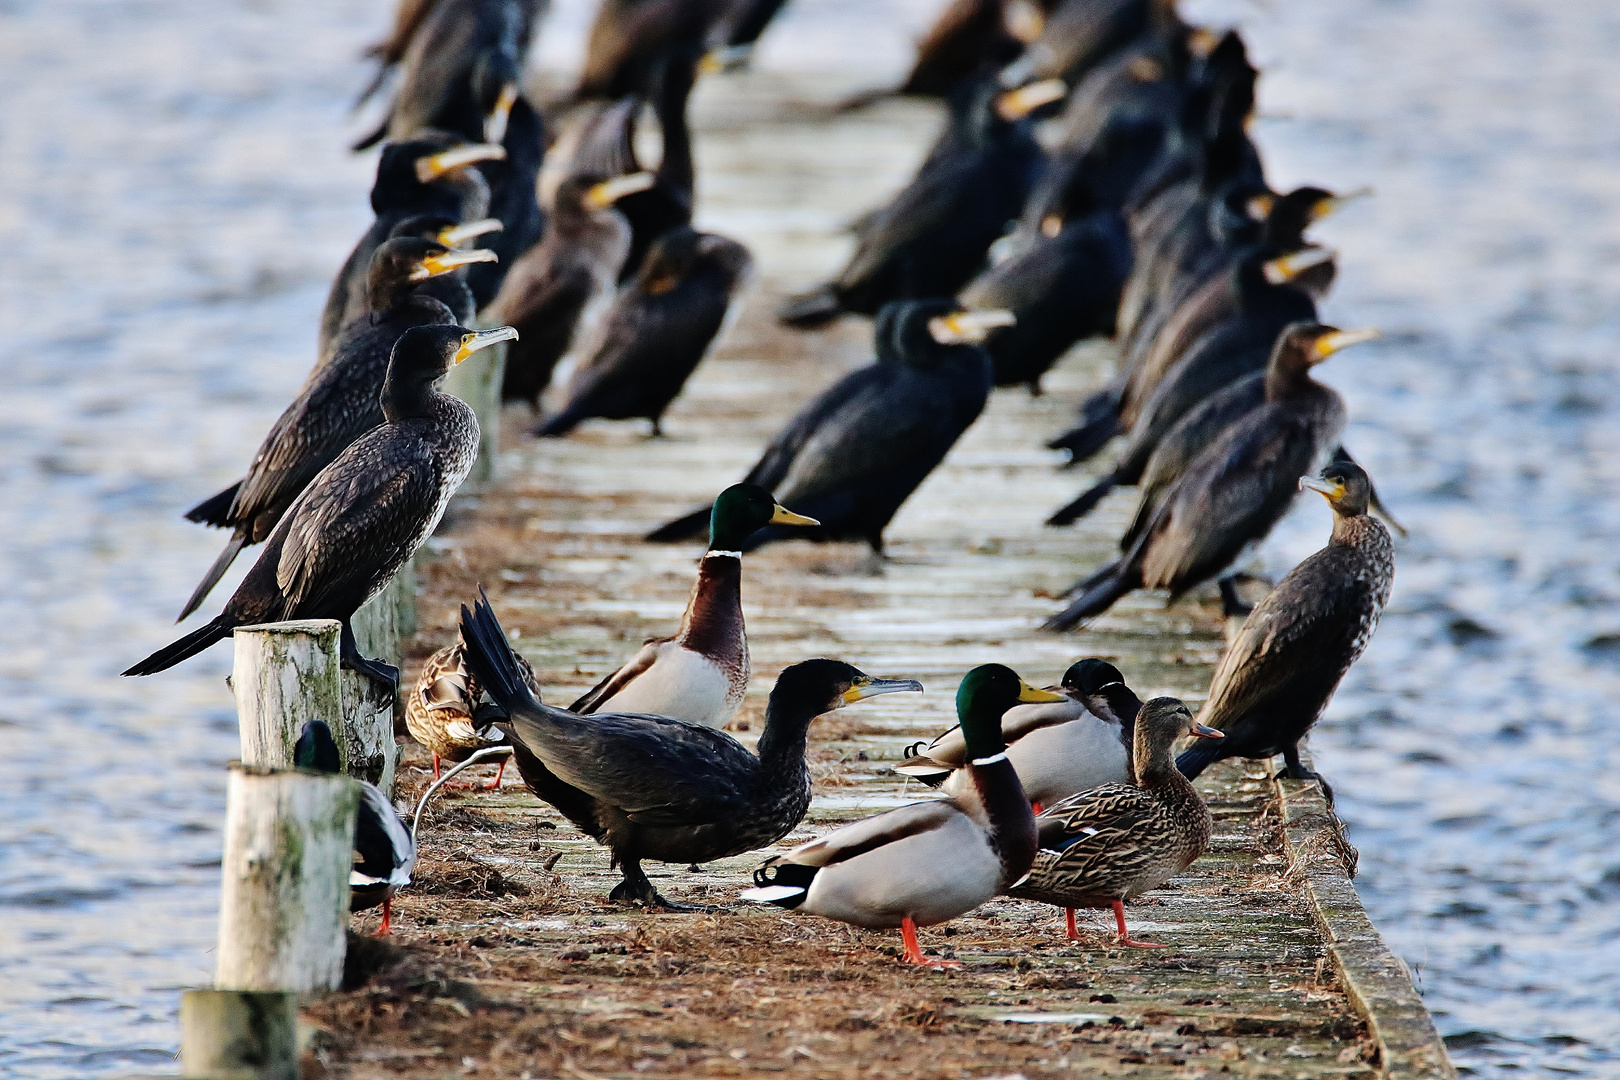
x,y
914,953
435,766
1068,917
500,772
1125,938
386,928
1036,806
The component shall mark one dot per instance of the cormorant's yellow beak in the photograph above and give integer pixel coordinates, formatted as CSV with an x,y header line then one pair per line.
x,y
430,168
1259,207
1333,490
1328,344
783,516
865,686
483,339
1023,20
434,265
456,234
1334,203
1286,268
1028,693
1017,104
968,327
600,196
1051,225
1204,731
1202,41
495,122
725,58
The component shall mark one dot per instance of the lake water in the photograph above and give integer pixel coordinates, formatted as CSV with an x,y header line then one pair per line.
x,y
174,196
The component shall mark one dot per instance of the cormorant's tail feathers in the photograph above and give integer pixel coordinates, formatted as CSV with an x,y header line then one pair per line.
x,y
233,546
375,137
1084,441
1085,504
1097,598
1198,757
810,310
215,510
557,425
185,648
490,657
693,526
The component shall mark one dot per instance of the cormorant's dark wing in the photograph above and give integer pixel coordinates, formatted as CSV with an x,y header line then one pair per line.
x,y
363,512
858,385
658,770
916,213
1310,616
1233,494
642,338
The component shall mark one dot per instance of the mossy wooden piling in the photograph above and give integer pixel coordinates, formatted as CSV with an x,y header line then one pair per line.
x,y
239,1034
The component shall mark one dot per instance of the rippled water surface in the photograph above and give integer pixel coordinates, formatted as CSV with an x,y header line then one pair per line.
x,y
174,197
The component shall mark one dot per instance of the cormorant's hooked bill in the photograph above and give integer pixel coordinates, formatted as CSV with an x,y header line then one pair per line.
x,y
433,166
605,194
866,686
968,327
434,265
455,234
483,339
1328,344
1285,268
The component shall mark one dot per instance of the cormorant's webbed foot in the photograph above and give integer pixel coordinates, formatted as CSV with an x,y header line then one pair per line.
x,y
1293,769
1231,603
636,891
386,676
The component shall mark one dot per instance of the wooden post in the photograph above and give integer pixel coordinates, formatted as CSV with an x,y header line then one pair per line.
x,y
239,1034
477,381
287,674
284,906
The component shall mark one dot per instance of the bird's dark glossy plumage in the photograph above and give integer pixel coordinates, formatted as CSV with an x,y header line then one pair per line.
x,y
631,41
657,331
1111,844
931,238
856,453
429,174
1231,495
1077,35
559,285
384,852
339,402
357,522
652,787
1297,644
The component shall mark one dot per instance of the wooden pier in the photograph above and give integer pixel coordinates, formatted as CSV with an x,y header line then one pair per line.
x,y
507,960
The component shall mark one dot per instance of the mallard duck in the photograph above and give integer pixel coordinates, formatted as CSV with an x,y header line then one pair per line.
x,y
384,853
346,536
1104,846
928,862
445,713
1059,748
700,673
1297,643
654,787
855,454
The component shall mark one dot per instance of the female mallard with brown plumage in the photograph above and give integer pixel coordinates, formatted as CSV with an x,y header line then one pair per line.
x,y
932,861
1057,748
700,673
444,712
1107,845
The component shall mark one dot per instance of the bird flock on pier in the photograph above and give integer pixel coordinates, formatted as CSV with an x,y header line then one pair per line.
x,y
1094,177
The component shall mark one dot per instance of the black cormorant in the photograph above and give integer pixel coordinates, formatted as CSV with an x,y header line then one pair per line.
x,y
651,787
1231,495
359,520
449,289
658,330
932,237
631,40
553,288
339,402
1297,643
852,456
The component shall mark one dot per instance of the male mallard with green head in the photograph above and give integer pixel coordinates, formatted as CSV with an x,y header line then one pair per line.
x,y
932,861
1104,846
701,673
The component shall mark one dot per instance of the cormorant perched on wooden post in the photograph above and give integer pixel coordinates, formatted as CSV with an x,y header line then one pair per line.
x,y
851,457
359,520
339,402
1298,643
651,787
1231,495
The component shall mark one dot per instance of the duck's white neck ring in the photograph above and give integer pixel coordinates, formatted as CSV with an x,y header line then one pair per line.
x,y
722,554
992,759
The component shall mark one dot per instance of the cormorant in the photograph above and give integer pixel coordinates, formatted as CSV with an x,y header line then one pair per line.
x,y
429,174
339,402
657,331
851,457
346,536
384,852
929,862
652,787
449,289
558,285
1297,643
1115,842
517,127
1229,498
932,237
632,39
